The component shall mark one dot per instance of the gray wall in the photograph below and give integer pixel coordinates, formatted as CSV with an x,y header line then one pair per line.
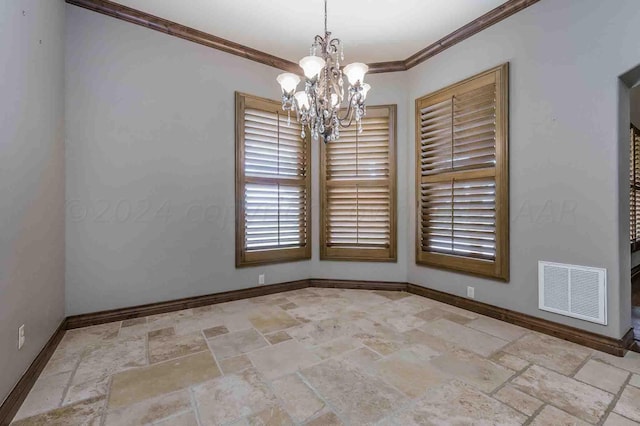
x,y
150,168
567,168
32,176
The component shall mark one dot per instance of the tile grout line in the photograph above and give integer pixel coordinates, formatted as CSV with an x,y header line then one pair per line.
x,y
321,397
614,401
605,361
107,396
167,360
73,375
60,402
268,384
535,414
594,386
545,404
509,381
173,415
194,404
576,370
512,343
213,355
83,351
146,348
409,400
616,396
412,402
378,377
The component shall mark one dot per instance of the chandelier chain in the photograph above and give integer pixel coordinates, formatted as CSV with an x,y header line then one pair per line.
x,y
325,16
318,107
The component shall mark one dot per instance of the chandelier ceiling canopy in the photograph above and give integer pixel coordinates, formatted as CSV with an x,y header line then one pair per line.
x,y
322,107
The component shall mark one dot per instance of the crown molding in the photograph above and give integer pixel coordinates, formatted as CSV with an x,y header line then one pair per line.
x,y
391,66
485,21
147,20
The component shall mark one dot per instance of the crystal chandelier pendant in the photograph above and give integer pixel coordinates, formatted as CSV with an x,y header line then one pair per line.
x,y
322,107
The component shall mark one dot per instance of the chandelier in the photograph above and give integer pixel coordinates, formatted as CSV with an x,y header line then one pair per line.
x,y
318,107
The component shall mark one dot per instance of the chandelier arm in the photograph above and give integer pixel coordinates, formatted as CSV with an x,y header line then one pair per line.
x,y
334,43
349,114
335,83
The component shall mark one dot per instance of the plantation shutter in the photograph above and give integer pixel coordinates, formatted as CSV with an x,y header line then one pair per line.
x,y
273,184
634,178
459,218
462,176
358,190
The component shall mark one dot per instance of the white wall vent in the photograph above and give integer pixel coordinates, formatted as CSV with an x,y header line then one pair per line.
x,y
574,291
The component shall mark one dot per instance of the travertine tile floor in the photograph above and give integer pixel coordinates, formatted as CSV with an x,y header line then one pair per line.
x,y
329,357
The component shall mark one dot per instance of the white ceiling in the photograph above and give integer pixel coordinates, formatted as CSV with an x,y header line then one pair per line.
x,y
371,30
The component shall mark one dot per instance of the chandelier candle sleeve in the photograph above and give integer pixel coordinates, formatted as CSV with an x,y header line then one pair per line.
x,y
302,100
288,81
312,65
355,72
365,90
322,107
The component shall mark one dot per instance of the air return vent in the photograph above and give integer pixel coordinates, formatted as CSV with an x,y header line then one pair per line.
x,y
574,291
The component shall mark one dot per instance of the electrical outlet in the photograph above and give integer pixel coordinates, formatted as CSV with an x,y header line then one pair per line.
x,y
261,279
471,292
21,336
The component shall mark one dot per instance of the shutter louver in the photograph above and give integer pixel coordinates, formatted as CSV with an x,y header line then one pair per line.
x,y
459,133
634,179
474,124
358,216
459,218
272,148
275,216
274,186
460,141
358,199
363,156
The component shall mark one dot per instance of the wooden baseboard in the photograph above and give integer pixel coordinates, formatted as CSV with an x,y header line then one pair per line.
x,y
12,404
122,314
593,340
359,285
602,343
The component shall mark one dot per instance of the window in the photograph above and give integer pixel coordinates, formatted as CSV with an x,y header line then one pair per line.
x,y
272,184
634,177
462,176
358,190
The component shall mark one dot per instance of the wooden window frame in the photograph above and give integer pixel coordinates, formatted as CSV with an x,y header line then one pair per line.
x,y
498,268
634,188
246,258
389,254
